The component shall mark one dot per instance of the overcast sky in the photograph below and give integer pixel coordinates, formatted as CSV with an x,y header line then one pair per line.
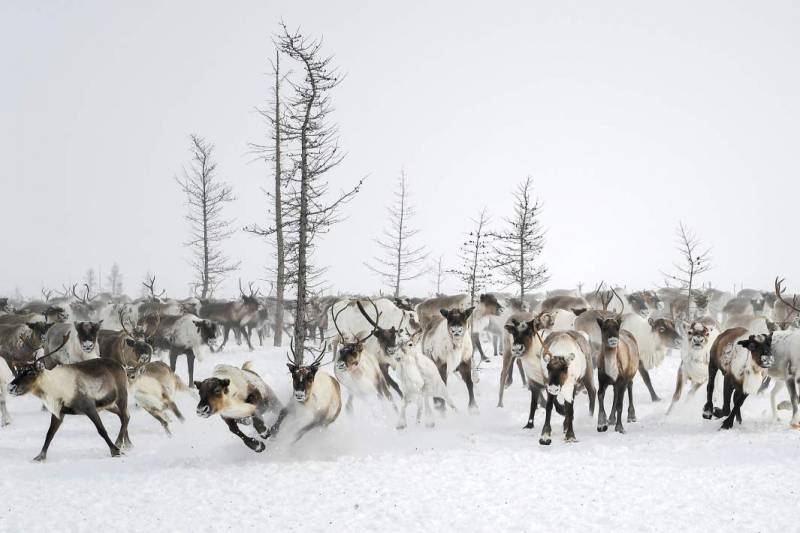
x,y
629,116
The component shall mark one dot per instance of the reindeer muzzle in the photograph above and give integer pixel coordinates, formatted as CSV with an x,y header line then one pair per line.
x,y
87,346
299,396
203,411
613,342
341,366
767,361
554,389
517,350
15,390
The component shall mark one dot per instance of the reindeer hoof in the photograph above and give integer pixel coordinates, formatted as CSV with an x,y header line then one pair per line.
x,y
257,447
655,399
619,429
430,424
473,410
40,458
570,439
5,423
545,441
401,426
719,413
529,425
602,429
631,419
115,452
726,425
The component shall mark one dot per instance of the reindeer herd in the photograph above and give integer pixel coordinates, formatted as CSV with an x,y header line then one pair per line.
x,y
81,355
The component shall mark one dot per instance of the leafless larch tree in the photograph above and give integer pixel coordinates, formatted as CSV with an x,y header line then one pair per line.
x,y
115,282
399,260
271,153
312,145
695,260
476,258
206,195
519,246
439,274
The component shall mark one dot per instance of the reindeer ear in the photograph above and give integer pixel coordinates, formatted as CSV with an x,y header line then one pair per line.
x,y
197,384
445,312
578,312
651,322
744,343
40,365
509,328
31,325
469,311
599,321
570,357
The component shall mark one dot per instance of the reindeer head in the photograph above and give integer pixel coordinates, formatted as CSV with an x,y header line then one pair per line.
x,y
55,314
609,328
760,348
207,330
387,338
408,344
523,335
457,325
491,306
699,334
29,372
557,371
87,334
638,302
758,306
141,350
212,396
654,300
667,333
250,300
37,336
404,304
303,375
5,306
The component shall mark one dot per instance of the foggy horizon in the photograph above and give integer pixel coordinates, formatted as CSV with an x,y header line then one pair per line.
x,y
629,118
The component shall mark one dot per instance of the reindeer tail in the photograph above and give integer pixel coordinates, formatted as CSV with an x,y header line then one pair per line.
x,y
248,366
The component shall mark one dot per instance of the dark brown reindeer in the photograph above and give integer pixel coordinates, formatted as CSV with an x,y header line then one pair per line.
x,y
233,315
83,388
127,347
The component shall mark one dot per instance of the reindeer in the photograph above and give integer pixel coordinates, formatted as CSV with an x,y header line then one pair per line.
x,y
52,314
82,344
233,315
82,305
20,342
785,348
419,379
617,364
357,368
6,376
653,338
317,397
743,359
239,396
745,306
154,386
180,335
695,355
448,342
569,368
125,347
83,388
5,307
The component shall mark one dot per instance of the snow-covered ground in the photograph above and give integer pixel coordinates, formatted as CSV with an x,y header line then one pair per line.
x,y
470,473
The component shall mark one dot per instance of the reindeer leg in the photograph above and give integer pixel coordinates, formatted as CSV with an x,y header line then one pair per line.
x,y
465,369
401,419
569,407
496,344
6,418
588,383
250,442
773,397
439,402
547,432
727,392
389,381
678,390
55,423
476,343
535,392
224,337
174,408
631,409
190,364
121,410
791,384
708,408
173,361
602,419
646,377
277,425
619,398
260,426
738,400
522,376
159,415
507,365
94,416
246,336
429,412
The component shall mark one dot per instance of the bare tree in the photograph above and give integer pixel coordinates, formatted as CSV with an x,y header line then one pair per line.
x,y
314,150
439,274
692,264
115,280
475,253
272,153
90,278
520,244
399,261
205,198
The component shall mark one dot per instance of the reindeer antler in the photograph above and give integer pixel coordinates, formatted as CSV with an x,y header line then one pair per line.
x,y
151,286
619,315
64,341
779,293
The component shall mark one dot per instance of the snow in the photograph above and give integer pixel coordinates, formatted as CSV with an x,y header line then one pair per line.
x,y
469,473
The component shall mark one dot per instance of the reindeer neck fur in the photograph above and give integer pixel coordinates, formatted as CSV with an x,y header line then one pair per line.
x,y
411,373
55,388
609,359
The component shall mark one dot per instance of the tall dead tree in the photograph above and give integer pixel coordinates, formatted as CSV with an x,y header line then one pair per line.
x,y
521,243
206,195
313,148
90,278
439,274
271,153
399,261
476,258
115,280
692,264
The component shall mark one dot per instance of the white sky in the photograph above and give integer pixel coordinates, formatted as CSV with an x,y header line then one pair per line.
x,y
629,116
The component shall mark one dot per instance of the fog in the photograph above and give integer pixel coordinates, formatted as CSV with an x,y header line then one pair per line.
x,y
630,117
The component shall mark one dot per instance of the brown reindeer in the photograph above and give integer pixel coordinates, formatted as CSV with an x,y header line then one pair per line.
x,y
617,364
233,315
83,388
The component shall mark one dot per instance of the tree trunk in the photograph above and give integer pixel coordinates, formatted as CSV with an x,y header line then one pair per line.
x,y
281,270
